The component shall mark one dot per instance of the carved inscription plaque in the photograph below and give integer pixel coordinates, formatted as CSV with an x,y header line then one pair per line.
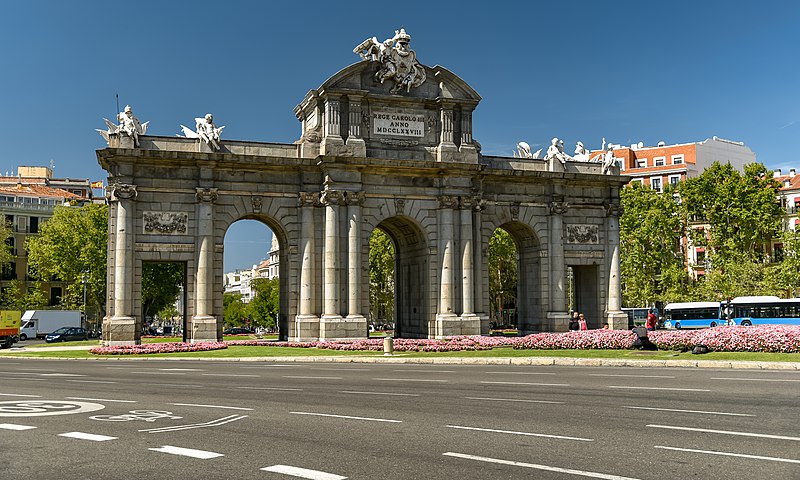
x,y
399,124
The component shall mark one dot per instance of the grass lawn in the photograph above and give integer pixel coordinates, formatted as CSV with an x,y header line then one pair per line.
x,y
503,352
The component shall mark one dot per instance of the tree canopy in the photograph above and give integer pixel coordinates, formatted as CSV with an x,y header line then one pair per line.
x,y
381,276
502,272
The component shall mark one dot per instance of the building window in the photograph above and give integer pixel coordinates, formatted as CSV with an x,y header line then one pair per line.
x,y
677,159
659,161
641,163
34,224
55,296
22,224
655,184
674,179
640,181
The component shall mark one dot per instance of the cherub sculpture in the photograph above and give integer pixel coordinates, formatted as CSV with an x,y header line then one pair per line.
x,y
556,151
129,125
205,130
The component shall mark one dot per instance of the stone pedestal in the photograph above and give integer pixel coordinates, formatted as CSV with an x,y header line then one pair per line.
x,y
120,331
557,321
335,327
306,329
617,320
485,324
447,325
202,328
356,147
471,324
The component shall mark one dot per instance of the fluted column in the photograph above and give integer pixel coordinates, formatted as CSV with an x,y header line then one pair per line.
x,y
557,315
446,317
446,151
203,321
332,141
354,202
470,324
121,327
331,306
306,325
616,318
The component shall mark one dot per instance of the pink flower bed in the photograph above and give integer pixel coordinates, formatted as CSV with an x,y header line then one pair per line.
x,y
452,344
146,348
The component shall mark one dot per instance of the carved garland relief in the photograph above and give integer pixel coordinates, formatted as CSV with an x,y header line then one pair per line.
x,y
165,223
583,234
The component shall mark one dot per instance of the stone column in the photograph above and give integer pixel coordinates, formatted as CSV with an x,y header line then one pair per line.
x,y
307,321
616,318
355,140
446,151
447,322
204,324
480,304
121,328
558,317
470,323
467,148
332,143
331,309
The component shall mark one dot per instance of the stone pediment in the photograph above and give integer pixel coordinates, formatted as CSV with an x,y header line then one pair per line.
x,y
353,113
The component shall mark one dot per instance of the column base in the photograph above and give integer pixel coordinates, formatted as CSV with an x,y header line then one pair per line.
x,y
447,325
470,324
356,147
485,323
617,320
120,330
203,328
448,152
557,322
306,329
334,327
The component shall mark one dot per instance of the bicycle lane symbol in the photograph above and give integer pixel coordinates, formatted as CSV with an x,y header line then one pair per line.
x,y
42,408
133,415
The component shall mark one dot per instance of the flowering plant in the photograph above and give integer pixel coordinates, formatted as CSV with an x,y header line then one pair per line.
x,y
146,348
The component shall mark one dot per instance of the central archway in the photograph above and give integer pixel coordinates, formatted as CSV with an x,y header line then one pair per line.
x,y
411,270
529,313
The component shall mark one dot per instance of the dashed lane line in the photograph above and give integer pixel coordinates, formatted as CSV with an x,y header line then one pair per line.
x,y
526,434
302,472
211,406
521,373
92,381
60,374
420,370
229,375
100,399
19,395
187,452
389,394
12,426
689,411
349,417
548,468
282,389
726,432
625,387
729,454
528,383
424,380
758,379
307,377
629,375
87,436
523,400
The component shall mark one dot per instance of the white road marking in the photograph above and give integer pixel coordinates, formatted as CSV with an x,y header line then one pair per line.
x,y
87,436
100,399
661,388
150,372
61,375
211,406
40,408
632,376
411,380
690,411
212,423
273,388
91,381
729,454
529,383
174,385
405,370
726,432
229,375
548,468
14,373
513,400
187,452
302,472
342,369
521,373
12,426
382,393
269,366
527,434
758,379
347,417
19,395
305,377
181,369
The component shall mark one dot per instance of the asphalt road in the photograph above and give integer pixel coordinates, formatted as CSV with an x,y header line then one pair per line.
x,y
131,419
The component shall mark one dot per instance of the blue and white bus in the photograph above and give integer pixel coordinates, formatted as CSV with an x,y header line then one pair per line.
x,y
748,311
693,315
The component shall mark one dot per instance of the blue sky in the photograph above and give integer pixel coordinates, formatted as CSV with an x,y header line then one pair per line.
x,y
628,71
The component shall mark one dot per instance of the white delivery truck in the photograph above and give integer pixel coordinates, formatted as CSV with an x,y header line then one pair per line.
x,y
38,323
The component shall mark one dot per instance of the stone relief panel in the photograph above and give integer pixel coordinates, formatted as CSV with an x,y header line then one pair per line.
x,y
583,234
165,223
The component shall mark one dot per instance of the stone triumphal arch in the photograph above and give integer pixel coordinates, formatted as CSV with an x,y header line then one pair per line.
x,y
386,143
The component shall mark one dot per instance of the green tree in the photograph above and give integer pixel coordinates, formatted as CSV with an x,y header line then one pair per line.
x,y
502,272
70,243
651,228
234,310
264,307
789,267
381,277
6,254
161,284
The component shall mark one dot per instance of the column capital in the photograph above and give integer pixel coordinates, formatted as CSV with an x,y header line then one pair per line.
x,y
613,209
122,191
206,195
448,201
558,207
308,199
354,198
331,197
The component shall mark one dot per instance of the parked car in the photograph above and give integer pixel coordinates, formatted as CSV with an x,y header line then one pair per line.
x,y
237,331
67,334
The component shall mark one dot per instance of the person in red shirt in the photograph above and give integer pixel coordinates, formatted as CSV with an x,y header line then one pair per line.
x,y
652,321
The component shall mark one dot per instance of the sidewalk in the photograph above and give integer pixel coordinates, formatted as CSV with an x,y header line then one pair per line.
x,y
399,358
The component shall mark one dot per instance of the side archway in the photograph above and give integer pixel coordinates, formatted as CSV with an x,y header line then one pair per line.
x,y
529,292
